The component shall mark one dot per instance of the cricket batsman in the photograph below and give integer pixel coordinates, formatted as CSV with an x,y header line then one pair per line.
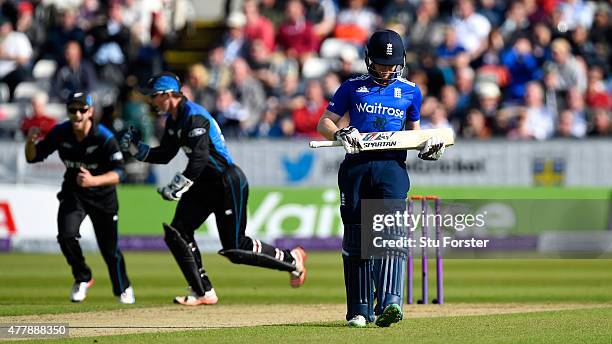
x,y
396,106
211,183
94,165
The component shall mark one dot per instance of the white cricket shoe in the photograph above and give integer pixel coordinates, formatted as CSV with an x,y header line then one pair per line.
x,y
209,298
127,297
79,290
357,321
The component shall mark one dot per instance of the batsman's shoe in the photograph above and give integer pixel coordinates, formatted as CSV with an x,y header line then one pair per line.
x,y
209,298
298,277
79,290
357,321
127,297
391,314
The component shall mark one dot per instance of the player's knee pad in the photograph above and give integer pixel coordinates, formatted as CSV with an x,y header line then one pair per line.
x,y
388,279
359,287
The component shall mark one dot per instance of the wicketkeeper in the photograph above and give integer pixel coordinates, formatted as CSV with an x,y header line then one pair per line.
x,y
378,101
211,183
94,165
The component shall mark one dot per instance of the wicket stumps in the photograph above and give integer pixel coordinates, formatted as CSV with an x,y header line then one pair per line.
x,y
425,200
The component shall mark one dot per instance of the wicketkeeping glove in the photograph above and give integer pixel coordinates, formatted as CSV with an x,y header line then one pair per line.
x,y
130,143
350,138
432,149
177,187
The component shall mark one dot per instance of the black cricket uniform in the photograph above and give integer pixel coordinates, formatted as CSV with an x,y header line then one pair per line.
x,y
99,153
220,187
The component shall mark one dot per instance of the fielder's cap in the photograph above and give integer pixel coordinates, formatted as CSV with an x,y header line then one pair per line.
x,y
80,98
386,47
165,82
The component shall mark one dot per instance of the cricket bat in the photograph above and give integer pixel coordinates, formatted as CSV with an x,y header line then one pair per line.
x,y
395,140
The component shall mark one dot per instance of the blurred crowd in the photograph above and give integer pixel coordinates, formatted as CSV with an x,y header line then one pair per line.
x,y
524,69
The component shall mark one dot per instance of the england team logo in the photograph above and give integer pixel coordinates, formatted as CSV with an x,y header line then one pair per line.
x,y
397,92
389,49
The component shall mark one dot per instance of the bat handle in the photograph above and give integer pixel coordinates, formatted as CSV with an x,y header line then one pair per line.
x,y
319,144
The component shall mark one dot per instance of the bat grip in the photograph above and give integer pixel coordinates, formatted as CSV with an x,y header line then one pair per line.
x,y
319,144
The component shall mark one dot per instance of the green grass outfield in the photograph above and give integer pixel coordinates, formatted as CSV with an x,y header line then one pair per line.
x,y
39,284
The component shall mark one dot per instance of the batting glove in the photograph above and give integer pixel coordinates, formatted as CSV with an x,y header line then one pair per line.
x,y
432,149
130,143
350,138
177,187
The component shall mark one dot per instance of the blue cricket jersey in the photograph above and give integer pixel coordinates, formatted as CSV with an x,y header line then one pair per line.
x,y
373,108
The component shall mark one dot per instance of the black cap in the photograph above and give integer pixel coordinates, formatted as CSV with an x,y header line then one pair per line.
x,y
80,98
386,47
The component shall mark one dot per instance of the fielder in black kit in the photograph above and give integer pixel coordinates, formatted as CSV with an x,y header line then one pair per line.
x,y
94,165
211,183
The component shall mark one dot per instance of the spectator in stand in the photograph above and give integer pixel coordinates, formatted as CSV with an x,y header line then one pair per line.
x,y
428,30
235,43
476,126
38,117
541,43
290,96
449,98
565,125
472,28
601,31
399,12
516,22
493,10
31,25
331,83
249,92
465,87
296,36
322,14
270,69
601,125
271,124
448,50
596,95
257,26
89,14
75,75
539,120
489,97
570,71
356,22
59,35
196,88
583,47
231,115
523,67
576,13
536,13
306,117
219,75
575,104
438,118
111,46
273,10
348,58
15,55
